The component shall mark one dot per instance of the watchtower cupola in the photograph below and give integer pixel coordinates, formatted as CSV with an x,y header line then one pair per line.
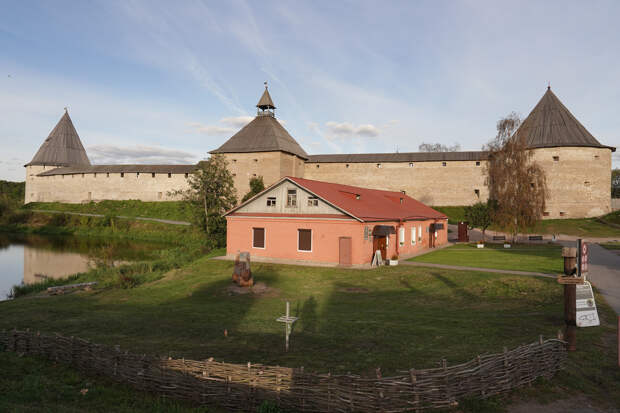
x,y
265,104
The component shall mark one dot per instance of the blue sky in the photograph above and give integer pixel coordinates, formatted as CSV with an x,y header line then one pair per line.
x,y
153,82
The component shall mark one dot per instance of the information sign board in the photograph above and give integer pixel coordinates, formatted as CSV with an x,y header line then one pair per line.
x,y
587,316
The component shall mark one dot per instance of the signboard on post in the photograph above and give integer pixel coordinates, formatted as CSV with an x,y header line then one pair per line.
x,y
587,316
584,258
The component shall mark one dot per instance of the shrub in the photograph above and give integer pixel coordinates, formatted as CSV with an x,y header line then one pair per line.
x,y
59,220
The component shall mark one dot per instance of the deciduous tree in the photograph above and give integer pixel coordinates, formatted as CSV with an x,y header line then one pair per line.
x,y
212,192
438,147
479,216
615,183
517,184
256,186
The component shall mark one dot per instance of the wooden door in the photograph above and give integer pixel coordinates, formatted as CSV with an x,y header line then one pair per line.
x,y
379,243
345,252
431,236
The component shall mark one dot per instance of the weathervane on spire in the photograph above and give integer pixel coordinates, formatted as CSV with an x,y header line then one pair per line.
x,y
66,109
548,85
265,82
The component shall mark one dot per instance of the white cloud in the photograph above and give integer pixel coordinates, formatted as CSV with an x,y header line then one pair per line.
x,y
211,130
342,130
229,125
138,154
236,121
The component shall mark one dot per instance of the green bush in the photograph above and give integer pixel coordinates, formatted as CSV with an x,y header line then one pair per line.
x,y
59,220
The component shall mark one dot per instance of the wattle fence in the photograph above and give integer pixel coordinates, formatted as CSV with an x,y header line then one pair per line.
x,y
244,387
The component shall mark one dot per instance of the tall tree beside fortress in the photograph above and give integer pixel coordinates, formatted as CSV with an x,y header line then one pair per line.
x,y
212,192
517,184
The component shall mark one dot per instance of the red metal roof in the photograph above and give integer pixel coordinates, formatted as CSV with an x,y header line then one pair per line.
x,y
369,204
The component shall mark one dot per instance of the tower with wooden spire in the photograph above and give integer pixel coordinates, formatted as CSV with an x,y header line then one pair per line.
x,y
262,148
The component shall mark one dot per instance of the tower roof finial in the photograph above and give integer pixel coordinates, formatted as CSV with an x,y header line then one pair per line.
x,y
548,85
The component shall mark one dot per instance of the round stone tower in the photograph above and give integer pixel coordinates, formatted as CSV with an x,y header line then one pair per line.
x,y
62,147
577,166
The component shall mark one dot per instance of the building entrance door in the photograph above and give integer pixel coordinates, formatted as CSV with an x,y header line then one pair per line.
x,y
345,251
380,243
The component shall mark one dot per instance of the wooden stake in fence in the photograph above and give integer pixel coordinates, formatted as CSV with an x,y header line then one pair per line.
x,y
288,321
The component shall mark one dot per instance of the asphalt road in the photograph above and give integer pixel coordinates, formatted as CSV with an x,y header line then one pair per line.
x,y
604,274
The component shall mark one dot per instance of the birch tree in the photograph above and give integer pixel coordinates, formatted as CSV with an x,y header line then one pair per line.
x,y
517,184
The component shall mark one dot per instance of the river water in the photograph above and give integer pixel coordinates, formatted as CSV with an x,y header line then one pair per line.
x,y
30,259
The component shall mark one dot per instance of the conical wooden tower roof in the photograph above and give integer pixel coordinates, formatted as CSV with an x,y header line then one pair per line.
x,y
550,124
263,134
62,147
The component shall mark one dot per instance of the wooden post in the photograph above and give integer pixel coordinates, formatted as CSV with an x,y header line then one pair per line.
x,y
416,397
570,316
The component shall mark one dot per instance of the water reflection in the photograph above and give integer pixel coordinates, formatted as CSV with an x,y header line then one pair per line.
x,y
31,259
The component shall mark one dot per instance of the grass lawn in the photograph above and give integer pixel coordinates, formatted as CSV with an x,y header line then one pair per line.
x,y
30,384
585,227
545,258
350,320
173,210
455,214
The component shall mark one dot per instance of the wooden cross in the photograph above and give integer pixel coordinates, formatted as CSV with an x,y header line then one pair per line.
x,y
289,321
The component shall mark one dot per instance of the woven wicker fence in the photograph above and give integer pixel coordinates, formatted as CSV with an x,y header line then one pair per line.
x,y
244,387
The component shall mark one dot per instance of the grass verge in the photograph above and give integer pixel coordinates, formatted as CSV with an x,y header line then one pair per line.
x,y
545,258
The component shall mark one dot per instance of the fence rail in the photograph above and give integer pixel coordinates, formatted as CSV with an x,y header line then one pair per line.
x,y
244,386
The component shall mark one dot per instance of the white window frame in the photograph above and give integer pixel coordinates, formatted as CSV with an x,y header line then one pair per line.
x,y
313,201
420,233
311,239
413,235
269,199
264,238
288,204
401,235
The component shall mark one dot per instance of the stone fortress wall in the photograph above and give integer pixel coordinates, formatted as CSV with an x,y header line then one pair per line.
x,y
578,180
431,183
79,188
576,165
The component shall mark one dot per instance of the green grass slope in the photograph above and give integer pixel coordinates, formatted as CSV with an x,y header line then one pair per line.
x,y
173,210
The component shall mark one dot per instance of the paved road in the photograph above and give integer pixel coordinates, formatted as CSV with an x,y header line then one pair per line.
x,y
163,221
604,274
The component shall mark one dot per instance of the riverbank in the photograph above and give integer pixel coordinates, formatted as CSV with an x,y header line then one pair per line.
x,y
183,244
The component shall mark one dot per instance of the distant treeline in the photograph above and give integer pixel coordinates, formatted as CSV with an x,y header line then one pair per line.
x,y
12,191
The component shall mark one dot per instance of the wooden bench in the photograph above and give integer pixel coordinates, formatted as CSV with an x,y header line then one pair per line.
x,y
535,238
499,238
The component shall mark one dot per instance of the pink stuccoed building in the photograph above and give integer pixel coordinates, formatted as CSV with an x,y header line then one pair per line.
x,y
319,222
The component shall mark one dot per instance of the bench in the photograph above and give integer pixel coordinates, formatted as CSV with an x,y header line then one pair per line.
x,y
499,238
535,238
